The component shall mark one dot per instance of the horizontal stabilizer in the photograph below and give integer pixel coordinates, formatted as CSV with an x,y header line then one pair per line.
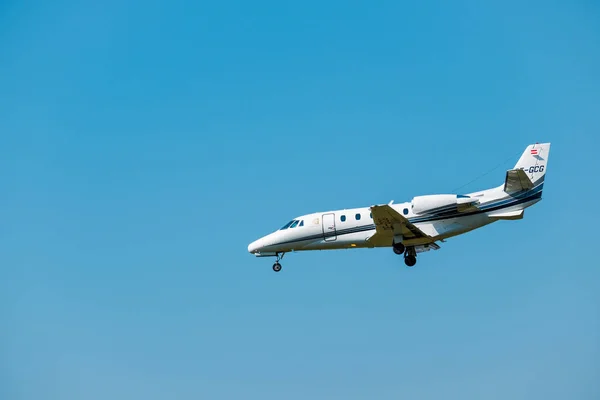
x,y
517,181
510,215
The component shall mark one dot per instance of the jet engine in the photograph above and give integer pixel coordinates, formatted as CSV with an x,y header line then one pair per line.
x,y
439,203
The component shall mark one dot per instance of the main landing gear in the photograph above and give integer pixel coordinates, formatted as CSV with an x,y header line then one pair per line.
x,y
410,260
399,248
277,266
410,255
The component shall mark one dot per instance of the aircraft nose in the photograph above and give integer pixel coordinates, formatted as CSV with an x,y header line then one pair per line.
x,y
254,246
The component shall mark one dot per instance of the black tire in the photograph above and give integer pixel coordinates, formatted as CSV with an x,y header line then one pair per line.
x,y
276,267
399,248
410,261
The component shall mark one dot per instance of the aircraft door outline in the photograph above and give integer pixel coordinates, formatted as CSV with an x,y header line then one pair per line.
x,y
329,231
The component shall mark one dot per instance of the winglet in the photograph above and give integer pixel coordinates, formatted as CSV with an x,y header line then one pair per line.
x,y
391,202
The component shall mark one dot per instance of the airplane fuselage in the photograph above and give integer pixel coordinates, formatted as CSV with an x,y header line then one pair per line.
x,y
351,228
412,227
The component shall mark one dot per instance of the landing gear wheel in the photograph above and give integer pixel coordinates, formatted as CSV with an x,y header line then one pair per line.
x,y
410,260
399,248
276,267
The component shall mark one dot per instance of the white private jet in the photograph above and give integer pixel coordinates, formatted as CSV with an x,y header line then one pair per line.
x,y
414,227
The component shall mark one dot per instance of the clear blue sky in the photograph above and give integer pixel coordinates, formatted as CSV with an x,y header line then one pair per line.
x,y
143,145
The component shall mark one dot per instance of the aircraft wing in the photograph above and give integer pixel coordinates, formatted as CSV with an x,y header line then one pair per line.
x,y
389,222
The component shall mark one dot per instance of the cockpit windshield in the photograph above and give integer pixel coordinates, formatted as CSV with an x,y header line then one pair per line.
x,y
292,224
287,225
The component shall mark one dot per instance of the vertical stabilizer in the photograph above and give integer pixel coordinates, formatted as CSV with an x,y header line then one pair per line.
x,y
534,162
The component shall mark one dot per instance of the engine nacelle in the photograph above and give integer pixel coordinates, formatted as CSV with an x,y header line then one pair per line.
x,y
439,203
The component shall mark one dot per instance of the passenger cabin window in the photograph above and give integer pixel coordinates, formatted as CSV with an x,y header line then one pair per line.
x,y
343,218
357,216
294,224
406,211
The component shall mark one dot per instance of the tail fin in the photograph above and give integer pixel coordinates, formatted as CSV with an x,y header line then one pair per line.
x,y
529,172
534,162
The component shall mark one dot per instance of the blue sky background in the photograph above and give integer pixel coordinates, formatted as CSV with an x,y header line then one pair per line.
x,y
144,144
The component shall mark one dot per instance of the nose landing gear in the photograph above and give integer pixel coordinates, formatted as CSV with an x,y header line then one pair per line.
x,y
277,266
